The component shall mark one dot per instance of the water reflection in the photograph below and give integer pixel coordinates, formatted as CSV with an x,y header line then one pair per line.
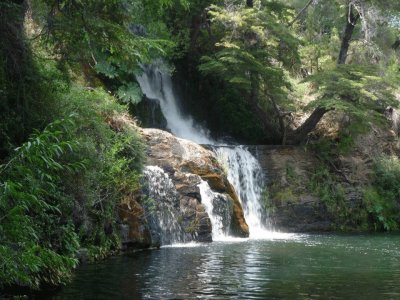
x,y
310,267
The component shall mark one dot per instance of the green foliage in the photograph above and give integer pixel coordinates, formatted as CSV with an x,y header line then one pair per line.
x,y
346,215
325,185
113,38
60,190
284,196
235,117
253,40
380,209
130,93
382,199
27,85
38,242
114,158
355,89
100,31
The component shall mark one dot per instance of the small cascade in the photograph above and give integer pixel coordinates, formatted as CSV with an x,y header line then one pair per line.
x,y
218,209
244,171
247,177
162,205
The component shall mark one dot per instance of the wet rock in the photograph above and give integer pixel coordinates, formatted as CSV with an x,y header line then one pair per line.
x,y
149,114
187,163
293,207
169,208
83,255
302,216
135,231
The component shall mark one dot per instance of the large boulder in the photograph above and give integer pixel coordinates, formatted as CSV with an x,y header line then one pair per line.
x,y
184,161
170,207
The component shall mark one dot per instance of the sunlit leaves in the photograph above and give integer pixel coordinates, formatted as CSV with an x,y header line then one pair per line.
x,y
359,90
254,46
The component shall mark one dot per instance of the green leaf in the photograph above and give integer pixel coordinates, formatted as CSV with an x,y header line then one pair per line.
x,y
107,69
130,93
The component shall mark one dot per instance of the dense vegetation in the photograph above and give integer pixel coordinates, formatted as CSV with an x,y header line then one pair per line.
x,y
258,71
64,168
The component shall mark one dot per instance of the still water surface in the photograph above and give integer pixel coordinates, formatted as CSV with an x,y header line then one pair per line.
x,y
288,267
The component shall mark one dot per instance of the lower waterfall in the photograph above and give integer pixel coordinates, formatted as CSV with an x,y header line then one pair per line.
x,y
218,208
162,197
245,174
243,170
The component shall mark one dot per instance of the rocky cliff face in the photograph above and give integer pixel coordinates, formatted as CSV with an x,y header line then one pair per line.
x,y
292,207
170,207
306,194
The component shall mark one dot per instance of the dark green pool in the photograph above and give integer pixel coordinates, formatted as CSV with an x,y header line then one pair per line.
x,y
292,267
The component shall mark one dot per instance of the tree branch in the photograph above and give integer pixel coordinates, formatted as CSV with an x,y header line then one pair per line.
x,y
300,13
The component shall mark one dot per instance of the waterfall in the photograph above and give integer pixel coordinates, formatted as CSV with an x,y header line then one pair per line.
x,y
161,205
156,85
218,209
244,171
247,177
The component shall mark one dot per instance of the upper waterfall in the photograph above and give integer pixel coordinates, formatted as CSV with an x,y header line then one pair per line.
x,y
156,84
243,170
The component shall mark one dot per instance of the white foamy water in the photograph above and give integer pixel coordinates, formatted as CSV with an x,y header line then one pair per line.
x,y
156,84
244,171
184,245
163,199
247,177
208,199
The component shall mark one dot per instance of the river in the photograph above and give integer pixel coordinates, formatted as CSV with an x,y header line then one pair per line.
x,y
284,267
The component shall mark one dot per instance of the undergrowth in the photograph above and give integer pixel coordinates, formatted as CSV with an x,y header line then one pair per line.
x,y
59,190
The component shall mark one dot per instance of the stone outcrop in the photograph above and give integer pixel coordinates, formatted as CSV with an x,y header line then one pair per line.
x,y
134,230
182,165
296,207
180,159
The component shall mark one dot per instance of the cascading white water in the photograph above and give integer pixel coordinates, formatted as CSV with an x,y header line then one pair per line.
x,y
244,171
156,84
163,197
246,175
220,218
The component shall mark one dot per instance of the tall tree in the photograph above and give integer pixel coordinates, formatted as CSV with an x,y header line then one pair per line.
x,y
352,18
254,46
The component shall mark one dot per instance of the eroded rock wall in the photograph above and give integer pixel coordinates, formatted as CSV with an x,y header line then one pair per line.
x,y
292,207
297,201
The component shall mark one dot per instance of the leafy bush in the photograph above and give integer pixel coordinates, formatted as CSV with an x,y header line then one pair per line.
x,y
38,242
383,198
113,158
325,185
347,215
60,189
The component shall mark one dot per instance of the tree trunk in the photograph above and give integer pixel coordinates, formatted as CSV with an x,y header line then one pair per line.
x,y
352,19
300,134
15,78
